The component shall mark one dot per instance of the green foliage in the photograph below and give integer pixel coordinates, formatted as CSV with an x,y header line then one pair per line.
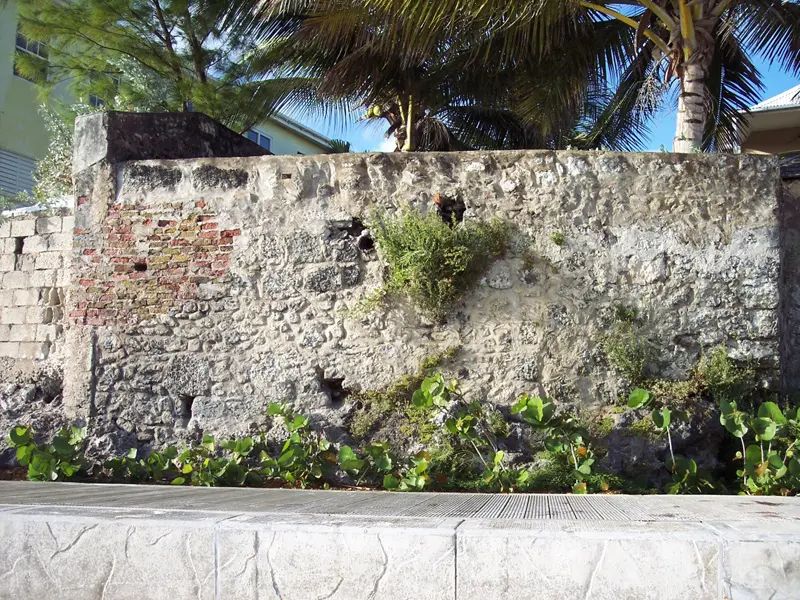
x,y
164,57
558,238
716,377
203,465
497,424
641,428
557,475
434,392
375,406
770,464
469,428
725,380
338,147
473,430
412,478
379,467
628,350
157,466
304,457
464,454
417,424
677,393
61,459
435,360
686,478
430,93
564,435
434,263
625,314
602,428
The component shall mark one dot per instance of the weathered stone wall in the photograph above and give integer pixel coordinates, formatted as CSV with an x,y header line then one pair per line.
x,y
34,254
205,289
790,279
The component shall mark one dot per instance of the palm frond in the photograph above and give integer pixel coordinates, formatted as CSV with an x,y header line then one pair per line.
x,y
771,28
734,84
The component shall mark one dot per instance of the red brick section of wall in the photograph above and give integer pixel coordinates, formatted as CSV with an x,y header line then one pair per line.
x,y
150,259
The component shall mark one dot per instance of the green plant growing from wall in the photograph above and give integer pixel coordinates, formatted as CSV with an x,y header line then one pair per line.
x,y
156,466
204,464
628,351
686,478
462,452
61,459
377,460
726,380
412,478
564,435
770,469
716,376
558,238
374,407
431,262
624,313
472,428
305,456
394,475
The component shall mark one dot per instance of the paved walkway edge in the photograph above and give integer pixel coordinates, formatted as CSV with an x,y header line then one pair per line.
x,y
134,542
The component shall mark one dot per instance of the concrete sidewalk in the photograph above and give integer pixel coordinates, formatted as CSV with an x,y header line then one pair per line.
x,y
76,541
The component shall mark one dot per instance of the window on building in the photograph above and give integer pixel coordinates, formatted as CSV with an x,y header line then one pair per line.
x,y
16,173
32,52
105,84
260,139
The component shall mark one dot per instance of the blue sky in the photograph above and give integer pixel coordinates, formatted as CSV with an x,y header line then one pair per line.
x,y
363,137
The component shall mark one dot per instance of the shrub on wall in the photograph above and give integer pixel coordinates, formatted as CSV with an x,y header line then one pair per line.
x,y
432,262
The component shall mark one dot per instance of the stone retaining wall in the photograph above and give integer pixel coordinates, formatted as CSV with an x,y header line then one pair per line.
x,y
201,289
34,252
205,289
790,280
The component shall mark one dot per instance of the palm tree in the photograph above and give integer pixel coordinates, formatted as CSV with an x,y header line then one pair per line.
x,y
338,147
443,94
704,44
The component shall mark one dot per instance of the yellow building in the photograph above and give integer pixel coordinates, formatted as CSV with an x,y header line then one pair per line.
x,y
23,137
774,125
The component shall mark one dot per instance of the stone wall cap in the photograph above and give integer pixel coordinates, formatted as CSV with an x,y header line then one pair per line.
x,y
124,136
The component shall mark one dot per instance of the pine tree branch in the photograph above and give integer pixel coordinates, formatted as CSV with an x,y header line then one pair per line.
x,y
168,42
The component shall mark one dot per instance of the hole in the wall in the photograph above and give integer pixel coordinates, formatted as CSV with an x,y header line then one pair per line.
x,y
356,227
19,244
286,176
359,231
450,209
140,267
185,415
333,388
366,243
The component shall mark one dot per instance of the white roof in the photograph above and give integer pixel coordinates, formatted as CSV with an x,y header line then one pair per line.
x,y
788,99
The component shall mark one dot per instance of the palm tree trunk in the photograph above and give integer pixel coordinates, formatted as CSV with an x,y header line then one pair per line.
x,y
692,113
